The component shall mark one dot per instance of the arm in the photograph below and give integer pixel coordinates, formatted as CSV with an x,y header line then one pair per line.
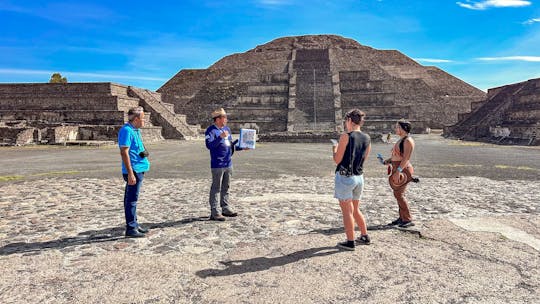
x,y
339,150
211,140
124,153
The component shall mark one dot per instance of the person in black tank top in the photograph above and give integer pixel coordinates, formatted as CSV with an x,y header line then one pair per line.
x,y
349,155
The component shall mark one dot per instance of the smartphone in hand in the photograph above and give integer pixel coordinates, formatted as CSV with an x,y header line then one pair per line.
x,y
380,158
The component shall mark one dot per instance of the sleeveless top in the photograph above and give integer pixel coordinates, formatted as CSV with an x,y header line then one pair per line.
x,y
353,158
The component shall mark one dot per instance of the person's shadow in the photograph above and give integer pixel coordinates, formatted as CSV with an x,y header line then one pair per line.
x,y
87,237
264,263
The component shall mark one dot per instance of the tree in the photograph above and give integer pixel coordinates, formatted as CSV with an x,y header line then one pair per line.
x,y
57,78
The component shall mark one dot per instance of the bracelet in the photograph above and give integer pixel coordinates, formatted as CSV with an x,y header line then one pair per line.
x,y
399,169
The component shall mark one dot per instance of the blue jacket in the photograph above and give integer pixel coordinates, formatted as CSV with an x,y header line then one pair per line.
x,y
220,148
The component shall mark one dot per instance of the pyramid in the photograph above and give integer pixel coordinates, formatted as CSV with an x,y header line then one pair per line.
x,y
305,84
509,115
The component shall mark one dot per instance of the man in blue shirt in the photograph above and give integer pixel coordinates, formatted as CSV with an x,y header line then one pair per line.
x,y
134,164
219,141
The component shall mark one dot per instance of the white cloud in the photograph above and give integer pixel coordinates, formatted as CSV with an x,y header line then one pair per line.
x,y
110,76
511,58
482,5
531,21
432,60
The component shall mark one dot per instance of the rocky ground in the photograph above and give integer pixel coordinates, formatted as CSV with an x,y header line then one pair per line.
x,y
477,238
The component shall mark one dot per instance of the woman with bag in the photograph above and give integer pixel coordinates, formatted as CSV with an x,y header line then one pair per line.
x,y
401,171
350,154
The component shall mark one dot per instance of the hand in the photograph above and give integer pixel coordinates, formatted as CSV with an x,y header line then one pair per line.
x,y
131,179
224,134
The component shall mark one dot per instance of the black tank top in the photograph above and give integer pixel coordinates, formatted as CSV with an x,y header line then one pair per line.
x,y
353,158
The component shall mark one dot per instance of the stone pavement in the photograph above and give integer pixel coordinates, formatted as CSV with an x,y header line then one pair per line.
x,y
61,242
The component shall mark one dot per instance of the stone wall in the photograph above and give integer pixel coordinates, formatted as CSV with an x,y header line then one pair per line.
x,y
60,113
510,114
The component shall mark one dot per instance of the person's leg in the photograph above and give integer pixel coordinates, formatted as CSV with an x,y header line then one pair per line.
x,y
359,217
348,220
217,174
131,196
404,213
224,193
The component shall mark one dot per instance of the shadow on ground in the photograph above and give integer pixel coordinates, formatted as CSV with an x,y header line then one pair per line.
x,y
88,237
264,263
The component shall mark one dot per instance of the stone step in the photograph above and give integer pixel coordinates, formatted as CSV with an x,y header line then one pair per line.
x,y
354,75
524,115
383,113
275,78
62,89
268,89
366,99
69,103
262,126
264,100
360,86
105,117
527,100
169,106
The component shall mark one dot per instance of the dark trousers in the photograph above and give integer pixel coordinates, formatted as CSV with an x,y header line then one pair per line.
x,y
131,196
221,179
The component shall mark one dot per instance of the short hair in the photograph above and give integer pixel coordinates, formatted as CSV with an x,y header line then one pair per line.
x,y
356,116
134,113
405,125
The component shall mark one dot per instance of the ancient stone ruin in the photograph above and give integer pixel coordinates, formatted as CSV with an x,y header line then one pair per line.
x,y
77,112
303,85
509,115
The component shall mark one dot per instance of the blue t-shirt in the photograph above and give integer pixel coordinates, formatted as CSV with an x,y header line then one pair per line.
x,y
132,138
220,148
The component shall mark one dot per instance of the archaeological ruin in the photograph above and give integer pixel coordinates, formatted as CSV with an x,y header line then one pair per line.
x,y
300,85
292,88
509,115
63,113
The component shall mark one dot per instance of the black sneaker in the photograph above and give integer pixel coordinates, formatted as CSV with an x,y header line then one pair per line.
x,y
363,240
396,222
406,224
134,234
229,213
347,245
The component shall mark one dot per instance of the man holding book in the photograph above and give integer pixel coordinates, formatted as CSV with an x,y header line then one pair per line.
x,y
219,141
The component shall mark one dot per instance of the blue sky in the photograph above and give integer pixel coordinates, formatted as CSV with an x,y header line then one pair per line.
x,y
145,43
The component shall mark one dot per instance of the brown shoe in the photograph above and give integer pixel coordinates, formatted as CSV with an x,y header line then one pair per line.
x,y
217,217
229,213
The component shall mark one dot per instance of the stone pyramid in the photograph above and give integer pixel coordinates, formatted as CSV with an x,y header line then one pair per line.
x,y
305,84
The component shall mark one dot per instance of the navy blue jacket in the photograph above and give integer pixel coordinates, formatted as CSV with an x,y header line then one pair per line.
x,y
220,148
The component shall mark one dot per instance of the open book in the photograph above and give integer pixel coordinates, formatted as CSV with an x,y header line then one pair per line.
x,y
247,139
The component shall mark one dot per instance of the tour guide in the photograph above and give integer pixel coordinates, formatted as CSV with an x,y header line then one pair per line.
x,y
134,164
219,141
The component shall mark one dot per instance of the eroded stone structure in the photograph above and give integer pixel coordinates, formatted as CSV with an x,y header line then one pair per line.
x,y
305,84
71,112
509,115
